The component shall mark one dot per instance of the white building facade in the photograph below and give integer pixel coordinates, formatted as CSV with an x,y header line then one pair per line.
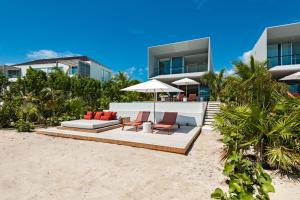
x,y
77,65
188,59
280,46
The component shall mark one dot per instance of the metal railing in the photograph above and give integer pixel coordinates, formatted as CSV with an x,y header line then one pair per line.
x,y
183,69
283,60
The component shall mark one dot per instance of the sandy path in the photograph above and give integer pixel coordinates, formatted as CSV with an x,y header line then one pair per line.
x,y
40,167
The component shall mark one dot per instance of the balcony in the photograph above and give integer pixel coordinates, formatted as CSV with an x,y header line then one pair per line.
x,y
181,70
283,60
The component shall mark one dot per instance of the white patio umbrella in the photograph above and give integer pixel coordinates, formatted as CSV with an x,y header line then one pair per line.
x,y
292,77
186,82
152,86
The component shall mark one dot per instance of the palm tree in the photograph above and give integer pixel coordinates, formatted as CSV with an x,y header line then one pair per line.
x,y
215,83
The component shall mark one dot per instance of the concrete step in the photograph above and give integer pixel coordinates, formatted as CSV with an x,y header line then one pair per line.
x,y
209,120
213,109
206,129
209,117
208,123
212,112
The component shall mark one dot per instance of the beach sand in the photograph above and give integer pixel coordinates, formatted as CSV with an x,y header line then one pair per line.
x,y
39,167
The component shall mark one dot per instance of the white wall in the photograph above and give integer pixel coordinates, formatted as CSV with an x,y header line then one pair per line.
x,y
191,113
39,66
210,57
97,71
259,52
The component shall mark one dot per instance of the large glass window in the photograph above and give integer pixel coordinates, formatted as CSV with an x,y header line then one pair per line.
x,y
13,73
177,65
274,53
296,52
74,69
286,53
164,66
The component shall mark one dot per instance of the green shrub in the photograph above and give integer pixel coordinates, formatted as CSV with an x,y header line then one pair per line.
x,y
24,126
247,180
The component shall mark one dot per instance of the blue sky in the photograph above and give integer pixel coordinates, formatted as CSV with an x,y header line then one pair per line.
x,y
117,33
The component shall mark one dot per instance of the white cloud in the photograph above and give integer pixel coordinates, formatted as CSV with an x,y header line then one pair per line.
x,y
130,71
199,3
246,56
229,72
45,54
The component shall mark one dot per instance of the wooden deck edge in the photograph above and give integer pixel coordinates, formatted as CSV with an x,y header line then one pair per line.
x,y
119,142
98,130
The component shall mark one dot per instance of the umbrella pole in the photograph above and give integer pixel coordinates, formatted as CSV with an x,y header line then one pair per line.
x,y
186,91
155,94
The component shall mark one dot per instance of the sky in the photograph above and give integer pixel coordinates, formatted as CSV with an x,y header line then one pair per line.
x,y
117,33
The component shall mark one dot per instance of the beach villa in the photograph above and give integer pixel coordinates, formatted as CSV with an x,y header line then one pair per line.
x,y
175,70
187,59
81,65
280,46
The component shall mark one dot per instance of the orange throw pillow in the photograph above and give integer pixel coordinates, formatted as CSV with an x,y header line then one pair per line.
x,y
90,113
107,113
106,118
98,115
114,115
87,117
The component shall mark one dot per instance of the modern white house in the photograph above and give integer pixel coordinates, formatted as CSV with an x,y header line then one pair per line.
x,y
12,73
280,46
187,59
80,65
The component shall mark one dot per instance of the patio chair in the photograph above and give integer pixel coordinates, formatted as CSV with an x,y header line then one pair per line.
x,y
169,120
192,97
140,119
180,97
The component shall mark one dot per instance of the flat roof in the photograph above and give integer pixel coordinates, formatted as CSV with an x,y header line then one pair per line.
x,y
183,46
290,31
64,60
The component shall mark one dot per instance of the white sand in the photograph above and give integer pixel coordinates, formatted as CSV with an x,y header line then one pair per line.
x,y
39,167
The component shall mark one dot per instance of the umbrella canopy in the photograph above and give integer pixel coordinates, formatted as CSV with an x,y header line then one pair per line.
x,y
295,76
152,86
186,82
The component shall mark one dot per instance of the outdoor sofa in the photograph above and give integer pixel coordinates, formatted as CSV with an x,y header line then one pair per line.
x,y
93,122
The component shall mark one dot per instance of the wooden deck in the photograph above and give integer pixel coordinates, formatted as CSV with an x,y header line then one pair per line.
x,y
178,142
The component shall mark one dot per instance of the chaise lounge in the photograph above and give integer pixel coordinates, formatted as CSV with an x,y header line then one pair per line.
x,y
169,120
140,119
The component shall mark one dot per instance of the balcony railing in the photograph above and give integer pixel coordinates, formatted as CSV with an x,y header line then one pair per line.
x,y
183,69
283,60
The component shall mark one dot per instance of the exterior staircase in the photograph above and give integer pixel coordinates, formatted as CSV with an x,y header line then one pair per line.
x,y
213,107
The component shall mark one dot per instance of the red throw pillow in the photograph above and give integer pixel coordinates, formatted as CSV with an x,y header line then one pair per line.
x,y
106,118
90,113
98,115
114,115
107,113
87,117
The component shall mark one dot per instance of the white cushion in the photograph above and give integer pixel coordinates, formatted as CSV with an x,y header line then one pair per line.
x,y
89,124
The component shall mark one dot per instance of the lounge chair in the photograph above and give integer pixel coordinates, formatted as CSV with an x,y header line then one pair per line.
x,y
140,119
169,120
192,97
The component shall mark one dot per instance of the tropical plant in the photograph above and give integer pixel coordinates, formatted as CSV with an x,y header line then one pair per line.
x,y
48,99
273,136
247,180
258,116
252,84
214,81
3,83
24,126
